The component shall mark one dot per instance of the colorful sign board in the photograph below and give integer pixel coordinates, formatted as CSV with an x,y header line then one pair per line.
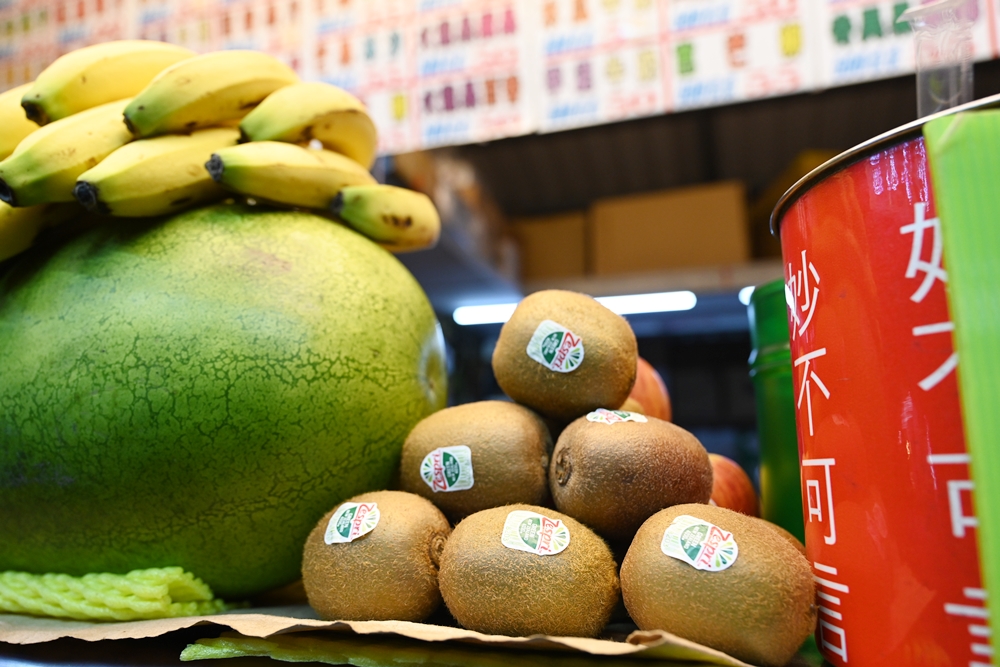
x,y
439,72
602,61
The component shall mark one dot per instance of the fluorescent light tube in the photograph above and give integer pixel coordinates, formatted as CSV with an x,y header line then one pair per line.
x,y
658,302
496,313
628,304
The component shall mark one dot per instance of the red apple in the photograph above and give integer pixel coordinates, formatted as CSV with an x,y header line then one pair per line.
x,y
732,487
650,392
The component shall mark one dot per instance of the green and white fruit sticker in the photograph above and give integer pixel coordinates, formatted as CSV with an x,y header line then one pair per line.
x,y
700,544
448,469
534,533
556,347
602,416
351,521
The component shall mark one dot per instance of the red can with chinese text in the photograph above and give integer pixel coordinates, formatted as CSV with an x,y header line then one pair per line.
x,y
887,496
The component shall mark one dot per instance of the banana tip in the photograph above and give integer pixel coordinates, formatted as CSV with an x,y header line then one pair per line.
x,y
34,112
215,167
86,194
131,127
7,194
337,205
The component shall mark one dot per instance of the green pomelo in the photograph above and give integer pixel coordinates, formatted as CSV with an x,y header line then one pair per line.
x,y
199,391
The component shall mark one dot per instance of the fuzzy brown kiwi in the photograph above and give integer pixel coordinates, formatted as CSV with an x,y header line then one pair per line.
x,y
760,609
390,573
509,446
604,377
794,541
614,476
491,588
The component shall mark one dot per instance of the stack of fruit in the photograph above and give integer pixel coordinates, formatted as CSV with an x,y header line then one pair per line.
x,y
141,128
207,380
547,540
135,129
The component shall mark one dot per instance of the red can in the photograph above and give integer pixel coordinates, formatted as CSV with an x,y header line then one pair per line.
x,y
887,496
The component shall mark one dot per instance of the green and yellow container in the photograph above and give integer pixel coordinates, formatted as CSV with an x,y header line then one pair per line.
x,y
771,371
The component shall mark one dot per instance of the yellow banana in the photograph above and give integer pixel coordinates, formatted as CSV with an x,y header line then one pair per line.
x,y
14,125
96,75
155,176
315,110
286,173
206,90
398,219
45,165
20,226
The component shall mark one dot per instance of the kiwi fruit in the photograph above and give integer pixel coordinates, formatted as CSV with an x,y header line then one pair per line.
x,y
496,589
613,476
595,362
389,573
792,539
509,447
760,608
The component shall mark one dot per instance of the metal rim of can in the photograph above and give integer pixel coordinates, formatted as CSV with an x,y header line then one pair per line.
x,y
852,155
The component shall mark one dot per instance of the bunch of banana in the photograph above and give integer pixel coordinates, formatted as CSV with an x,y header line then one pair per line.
x,y
305,111
398,219
288,174
155,176
204,91
20,226
96,75
14,125
147,155
45,165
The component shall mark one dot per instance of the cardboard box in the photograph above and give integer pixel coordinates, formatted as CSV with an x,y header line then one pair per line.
x,y
763,243
551,246
702,225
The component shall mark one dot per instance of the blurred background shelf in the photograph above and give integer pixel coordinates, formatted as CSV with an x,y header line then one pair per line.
x,y
492,194
487,192
453,276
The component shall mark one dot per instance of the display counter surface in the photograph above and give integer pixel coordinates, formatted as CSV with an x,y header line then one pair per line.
x,y
289,634
165,651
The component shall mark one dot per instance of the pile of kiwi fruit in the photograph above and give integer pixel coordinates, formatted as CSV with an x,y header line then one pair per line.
x,y
519,534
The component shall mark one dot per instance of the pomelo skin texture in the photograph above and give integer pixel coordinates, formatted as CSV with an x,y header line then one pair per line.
x,y
199,391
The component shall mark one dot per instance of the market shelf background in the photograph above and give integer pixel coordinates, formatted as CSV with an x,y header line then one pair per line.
x,y
536,107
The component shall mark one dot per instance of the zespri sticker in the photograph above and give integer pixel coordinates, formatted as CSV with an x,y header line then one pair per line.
x,y
534,533
602,416
556,347
700,544
448,469
351,521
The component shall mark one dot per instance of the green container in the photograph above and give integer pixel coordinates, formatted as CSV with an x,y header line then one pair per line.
x,y
771,371
964,154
